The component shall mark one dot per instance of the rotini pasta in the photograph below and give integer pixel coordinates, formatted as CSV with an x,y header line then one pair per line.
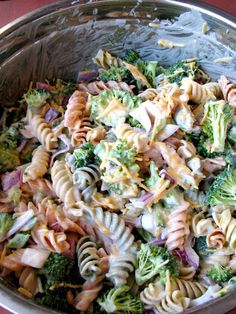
x,y
189,289
63,184
135,139
228,226
39,165
229,90
50,240
85,178
95,88
41,130
88,259
200,93
76,109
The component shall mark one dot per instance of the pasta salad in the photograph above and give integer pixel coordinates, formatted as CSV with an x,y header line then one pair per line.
x,y
118,192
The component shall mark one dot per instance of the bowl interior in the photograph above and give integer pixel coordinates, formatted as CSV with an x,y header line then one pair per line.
x,y
61,39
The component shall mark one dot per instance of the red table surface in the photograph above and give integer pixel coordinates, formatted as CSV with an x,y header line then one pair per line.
x,y
12,9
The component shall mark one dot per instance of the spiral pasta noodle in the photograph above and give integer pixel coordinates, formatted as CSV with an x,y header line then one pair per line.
x,y
177,227
228,90
199,93
85,178
174,302
90,289
153,294
149,94
29,280
95,88
200,225
137,140
41,130
88,259
49,239
76,109
63,184
96,134
189,289
228,226
186,272
216,239
113,228
39,165
79,136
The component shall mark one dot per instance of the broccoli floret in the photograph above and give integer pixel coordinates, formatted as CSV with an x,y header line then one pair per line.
x,y
57,269
223,189
119,300
9,137
230,157
201,248
55,299
36,98
9,159
99,103
134,123
232,134
123,153
150,69
176,72
219,116
14,195
6,222
114,74
174,198
84,155
131,56
220,274
153,261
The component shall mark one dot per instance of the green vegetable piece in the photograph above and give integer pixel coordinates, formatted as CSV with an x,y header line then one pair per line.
x,y
55,299
123,153
201,247
14,195
9,159
18,241
219,116
134,123
220,274
84,155
131,56
223,189
58,268
9,137
153,261
36,98
114,74
119,300
176,72
6,222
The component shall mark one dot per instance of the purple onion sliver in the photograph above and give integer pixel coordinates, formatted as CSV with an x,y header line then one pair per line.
x,y
87,76
167,176
149,312
145,197
11,179
41,85
50,115
157,242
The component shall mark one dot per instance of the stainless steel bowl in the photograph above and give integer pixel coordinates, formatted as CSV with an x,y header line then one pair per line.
x,y
61,39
